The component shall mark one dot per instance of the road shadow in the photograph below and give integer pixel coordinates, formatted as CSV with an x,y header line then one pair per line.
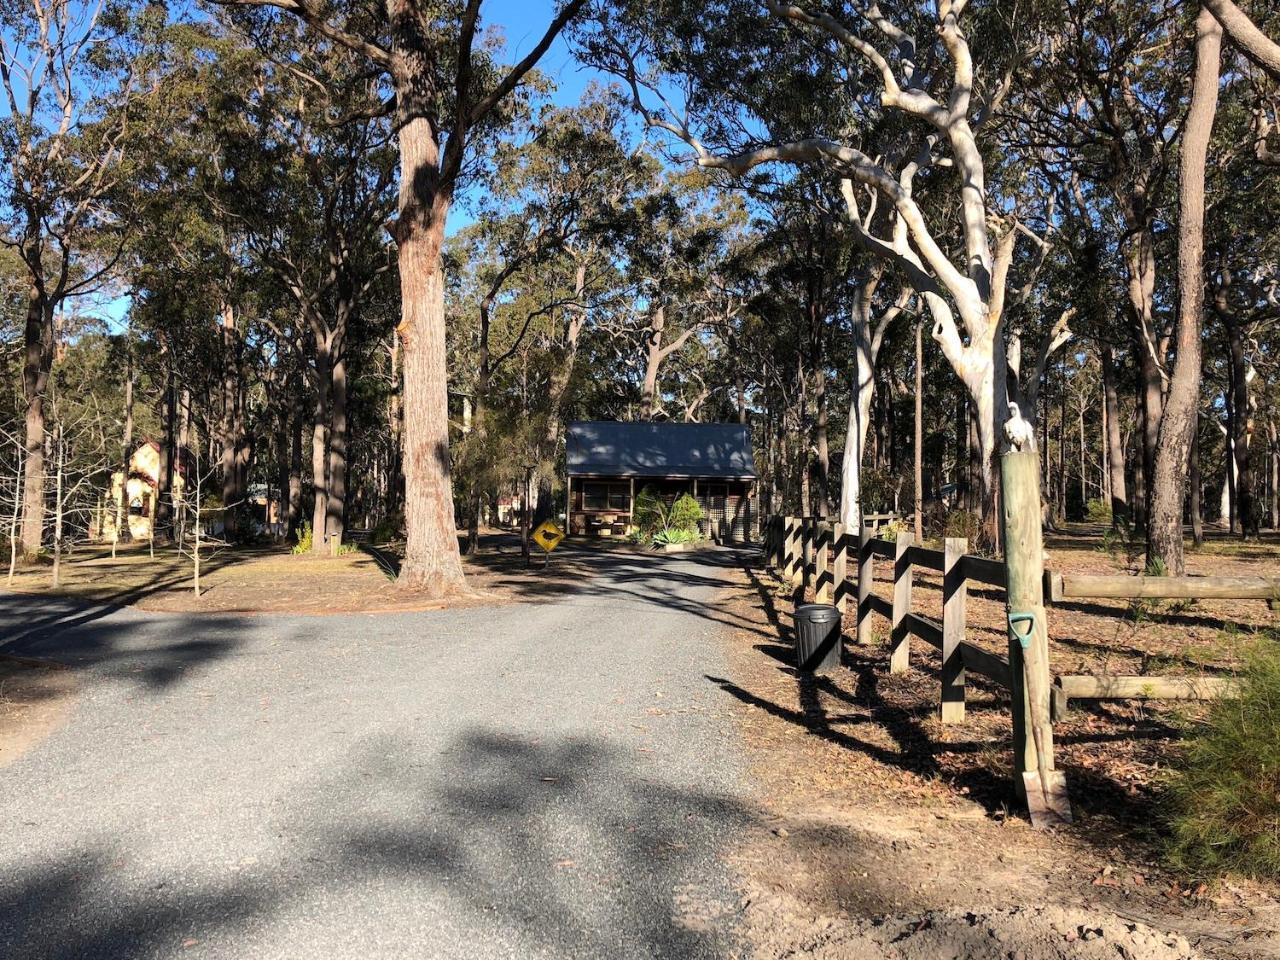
x,y
513,845
108,643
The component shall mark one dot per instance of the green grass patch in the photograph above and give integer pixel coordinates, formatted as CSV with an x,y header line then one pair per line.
x,y
1225,801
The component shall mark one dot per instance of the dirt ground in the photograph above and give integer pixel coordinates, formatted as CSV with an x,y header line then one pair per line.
x,y
35,699
897,837
268,579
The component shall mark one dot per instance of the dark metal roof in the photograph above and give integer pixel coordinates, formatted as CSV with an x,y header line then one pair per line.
x,y
613,449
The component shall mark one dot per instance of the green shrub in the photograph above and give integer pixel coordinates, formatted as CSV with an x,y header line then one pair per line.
x,y
963,523
1124,544
1098,511
890,530
685,514
346,549
674,535
387,529
304,540
1225,802
649,513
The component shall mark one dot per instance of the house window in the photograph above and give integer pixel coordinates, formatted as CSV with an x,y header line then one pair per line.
x,y
599,495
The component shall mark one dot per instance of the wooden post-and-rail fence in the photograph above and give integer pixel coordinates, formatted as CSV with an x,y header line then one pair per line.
x,y
807,552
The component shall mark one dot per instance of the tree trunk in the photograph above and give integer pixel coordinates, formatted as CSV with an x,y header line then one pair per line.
x,y
652,360
126,450
1115,447
293,515
1274,498
337,475
319,449
1245,512
1060,514
395,415
1194,479
822,451
37,363
919,433
1168,493
561,378
231,386
163,514
432,561
58,506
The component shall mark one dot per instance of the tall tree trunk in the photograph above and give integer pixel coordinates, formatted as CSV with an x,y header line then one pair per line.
x,y
1196,482
919,434
1275,474
337,485
1164,527
479,425
652,360
37,363
231,386
558,390
126,451
395,415
822,450
320,448
284,445
1245,511
163,513
432,561
293,515
1061,513
1115,446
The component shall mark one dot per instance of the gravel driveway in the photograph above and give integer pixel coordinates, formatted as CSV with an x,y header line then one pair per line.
x,y
550,779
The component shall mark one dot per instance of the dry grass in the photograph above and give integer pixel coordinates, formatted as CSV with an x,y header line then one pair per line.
x,y
268,579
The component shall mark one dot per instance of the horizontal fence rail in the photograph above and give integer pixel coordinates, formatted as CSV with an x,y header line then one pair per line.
x,y
816,554
809,553
1070,586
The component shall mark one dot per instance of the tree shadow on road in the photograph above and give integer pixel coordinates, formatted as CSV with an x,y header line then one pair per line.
x,y
557,847
153,651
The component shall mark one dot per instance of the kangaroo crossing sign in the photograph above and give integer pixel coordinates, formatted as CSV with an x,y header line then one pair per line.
x,y
548,536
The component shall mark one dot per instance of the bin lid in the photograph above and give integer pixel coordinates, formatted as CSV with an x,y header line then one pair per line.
x,y
817,612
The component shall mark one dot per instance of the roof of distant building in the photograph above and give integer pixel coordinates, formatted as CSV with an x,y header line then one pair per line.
x,y
609,448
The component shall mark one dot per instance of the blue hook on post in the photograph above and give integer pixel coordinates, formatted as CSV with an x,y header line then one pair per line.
x,y
1022,624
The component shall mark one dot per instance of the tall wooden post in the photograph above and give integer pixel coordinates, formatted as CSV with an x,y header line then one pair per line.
x,y
954,597
821,541
792,538
899,635
1024,565
806,555
866,572
840,566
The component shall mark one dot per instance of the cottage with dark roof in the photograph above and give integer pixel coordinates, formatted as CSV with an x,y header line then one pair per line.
x,y
609,462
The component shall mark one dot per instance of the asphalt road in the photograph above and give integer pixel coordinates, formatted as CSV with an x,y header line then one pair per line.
x,y
553,779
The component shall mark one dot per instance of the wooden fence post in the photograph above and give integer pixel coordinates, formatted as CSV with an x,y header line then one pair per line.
x,y
806,555
899,636
821,541
866,572
795,575
788,548
955,592
840,566
1024,565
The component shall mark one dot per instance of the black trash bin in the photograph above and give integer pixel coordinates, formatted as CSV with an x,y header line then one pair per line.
x,y
817,637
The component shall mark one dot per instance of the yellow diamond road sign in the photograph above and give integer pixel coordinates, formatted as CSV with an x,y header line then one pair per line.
x,y
548,536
